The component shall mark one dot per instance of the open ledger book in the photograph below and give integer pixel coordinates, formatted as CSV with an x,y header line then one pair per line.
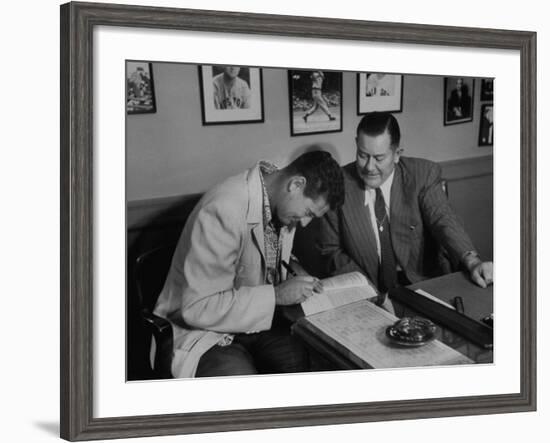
x,y
339,290
343,323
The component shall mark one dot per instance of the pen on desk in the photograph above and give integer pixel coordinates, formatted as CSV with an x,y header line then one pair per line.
x,y
288,268
458,304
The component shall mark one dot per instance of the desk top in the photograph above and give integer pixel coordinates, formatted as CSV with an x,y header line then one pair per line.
x,y
478,303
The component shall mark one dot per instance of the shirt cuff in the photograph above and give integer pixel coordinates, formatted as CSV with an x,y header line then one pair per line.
x,y
470,259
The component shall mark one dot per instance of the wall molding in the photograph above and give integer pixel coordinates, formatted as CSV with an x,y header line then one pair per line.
x,y
467,168
155,213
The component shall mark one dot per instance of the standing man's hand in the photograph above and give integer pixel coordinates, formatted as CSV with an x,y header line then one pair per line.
x,y
296,290
481,273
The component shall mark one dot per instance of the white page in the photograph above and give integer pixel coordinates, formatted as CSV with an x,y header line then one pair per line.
x,y
338,291
433,298
345,281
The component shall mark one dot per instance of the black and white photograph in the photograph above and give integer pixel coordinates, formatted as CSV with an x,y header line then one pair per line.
x,y
231,94
232,276
486,125
486,89
459,102
378,91
315,99
140,89
254,252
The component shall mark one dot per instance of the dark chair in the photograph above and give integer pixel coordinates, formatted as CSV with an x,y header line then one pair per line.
x,y
151,269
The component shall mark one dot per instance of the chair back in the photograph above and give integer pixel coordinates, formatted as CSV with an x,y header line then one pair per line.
x,y
151,269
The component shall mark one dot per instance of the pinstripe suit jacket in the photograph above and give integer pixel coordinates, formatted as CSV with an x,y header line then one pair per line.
x,y
419,212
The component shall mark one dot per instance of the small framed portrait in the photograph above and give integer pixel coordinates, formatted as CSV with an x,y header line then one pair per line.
x,y
486,125
459,103
140,89
231,94
315,99
377,91
486,89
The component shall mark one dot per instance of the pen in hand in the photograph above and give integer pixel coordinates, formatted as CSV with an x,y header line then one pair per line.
x,y
288,268
317,284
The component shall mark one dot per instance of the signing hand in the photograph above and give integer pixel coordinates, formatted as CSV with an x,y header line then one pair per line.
x,y
296,290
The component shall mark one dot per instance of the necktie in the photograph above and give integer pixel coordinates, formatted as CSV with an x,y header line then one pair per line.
x,y
387,274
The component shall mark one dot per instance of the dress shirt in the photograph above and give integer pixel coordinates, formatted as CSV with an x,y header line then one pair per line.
x,y
370,198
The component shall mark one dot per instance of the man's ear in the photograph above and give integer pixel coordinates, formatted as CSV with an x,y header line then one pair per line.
x,y
397,154
296,183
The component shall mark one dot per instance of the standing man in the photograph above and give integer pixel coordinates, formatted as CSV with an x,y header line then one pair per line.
x,y
230,91
392,205
317,78
226,277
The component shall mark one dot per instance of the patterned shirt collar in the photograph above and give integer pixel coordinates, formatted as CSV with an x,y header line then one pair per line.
x,y
272,239
266,168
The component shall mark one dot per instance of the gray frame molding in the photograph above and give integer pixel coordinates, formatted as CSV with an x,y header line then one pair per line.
x,y
77,24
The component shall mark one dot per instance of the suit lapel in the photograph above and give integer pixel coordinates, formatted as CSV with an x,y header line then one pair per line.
x,y
358,219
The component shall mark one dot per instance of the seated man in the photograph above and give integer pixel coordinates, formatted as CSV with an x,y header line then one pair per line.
x,y
226,276
392,204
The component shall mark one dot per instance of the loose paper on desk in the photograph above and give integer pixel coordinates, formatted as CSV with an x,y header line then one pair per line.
x,y
338,291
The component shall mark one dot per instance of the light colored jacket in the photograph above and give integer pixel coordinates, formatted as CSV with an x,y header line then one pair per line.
x,y
216,283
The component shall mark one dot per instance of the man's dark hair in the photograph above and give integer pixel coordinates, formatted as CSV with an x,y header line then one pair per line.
x,y
376,123
323,176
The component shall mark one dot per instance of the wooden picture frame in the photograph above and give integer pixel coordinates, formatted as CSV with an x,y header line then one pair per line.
x,y
315,101
244,103
379,92
78,421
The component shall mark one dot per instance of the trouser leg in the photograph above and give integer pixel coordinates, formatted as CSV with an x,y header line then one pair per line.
x,y
276,351
233,359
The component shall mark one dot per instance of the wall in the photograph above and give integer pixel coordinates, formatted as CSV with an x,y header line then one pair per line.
x,y
171,153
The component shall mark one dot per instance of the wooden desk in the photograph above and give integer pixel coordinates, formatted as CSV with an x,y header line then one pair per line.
x,y
478,303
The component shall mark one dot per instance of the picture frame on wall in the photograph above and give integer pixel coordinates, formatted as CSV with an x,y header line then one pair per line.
x,y
140,88
315,100
486,125
486,89
97,401
231,94
459,100
380,92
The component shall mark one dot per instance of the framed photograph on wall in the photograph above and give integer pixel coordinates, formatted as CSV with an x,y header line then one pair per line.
x,y
315,100
231,94
486,89
486,125
140,88
459,100
97,400
377,91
